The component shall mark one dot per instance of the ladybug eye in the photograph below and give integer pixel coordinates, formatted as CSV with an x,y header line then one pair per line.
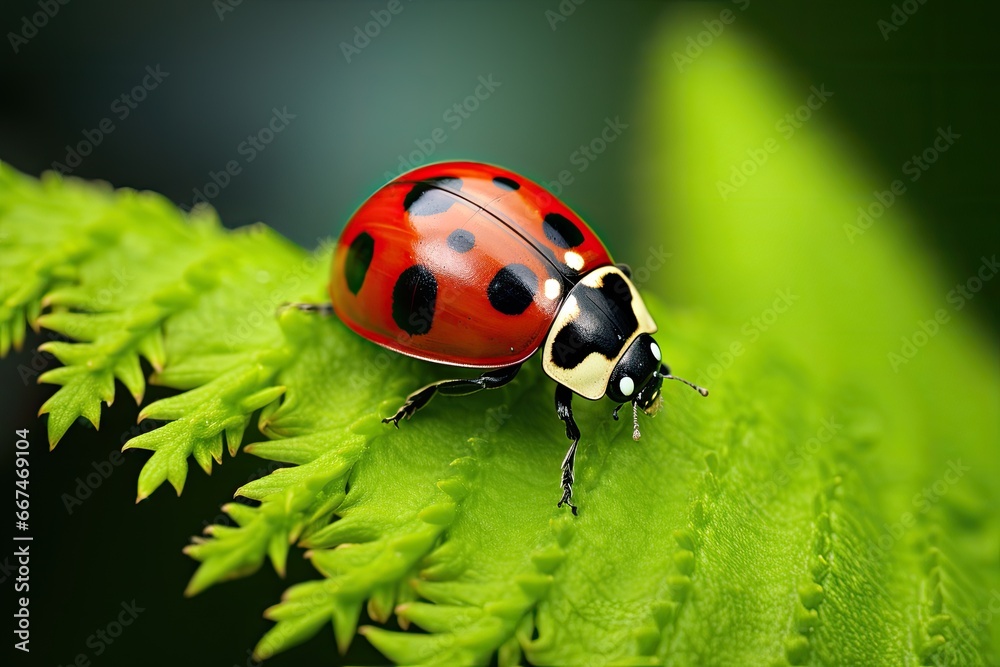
x,y
627,386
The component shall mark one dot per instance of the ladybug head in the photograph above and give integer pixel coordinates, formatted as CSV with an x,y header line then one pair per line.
x,y
635,377
638,376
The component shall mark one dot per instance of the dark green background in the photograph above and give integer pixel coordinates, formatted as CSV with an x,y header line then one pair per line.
x,y
353,120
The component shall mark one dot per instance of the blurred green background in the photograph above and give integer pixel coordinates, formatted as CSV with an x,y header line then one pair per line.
x,y
558,72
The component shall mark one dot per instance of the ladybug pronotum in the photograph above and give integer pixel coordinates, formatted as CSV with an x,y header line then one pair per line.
x,y
467,264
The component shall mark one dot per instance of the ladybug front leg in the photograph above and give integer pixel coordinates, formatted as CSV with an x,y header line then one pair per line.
x,y
564,408
418,399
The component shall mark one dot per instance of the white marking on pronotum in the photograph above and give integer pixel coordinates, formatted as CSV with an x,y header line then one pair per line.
x,y
627,386
553,289
656,350
574,260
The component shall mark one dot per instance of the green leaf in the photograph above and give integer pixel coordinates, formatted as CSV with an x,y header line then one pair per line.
x,y
820,507
201,417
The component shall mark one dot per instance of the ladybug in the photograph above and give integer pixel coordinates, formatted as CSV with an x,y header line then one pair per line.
x,y
467,264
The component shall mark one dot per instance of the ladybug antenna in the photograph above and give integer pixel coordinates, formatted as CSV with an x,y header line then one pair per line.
x,y
665,373
635,421
321,308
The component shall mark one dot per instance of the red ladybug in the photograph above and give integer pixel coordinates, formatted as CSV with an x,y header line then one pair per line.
x,y
468,264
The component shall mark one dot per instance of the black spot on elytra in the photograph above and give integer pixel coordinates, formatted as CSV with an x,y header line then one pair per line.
x,y
505,183
413,299
359,257
461,240
432,196
512,289
605,322
560,231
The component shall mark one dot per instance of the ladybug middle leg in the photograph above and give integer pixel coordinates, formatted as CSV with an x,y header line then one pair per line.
x,y
564,408
418,399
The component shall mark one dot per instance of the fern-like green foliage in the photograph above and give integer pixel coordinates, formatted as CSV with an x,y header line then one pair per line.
x,y
762,526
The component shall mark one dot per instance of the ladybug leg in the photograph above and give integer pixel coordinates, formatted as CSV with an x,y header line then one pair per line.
x,y
564,408
418,399
624,268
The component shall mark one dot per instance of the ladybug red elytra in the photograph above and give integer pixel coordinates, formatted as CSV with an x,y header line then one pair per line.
x,y
467,264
